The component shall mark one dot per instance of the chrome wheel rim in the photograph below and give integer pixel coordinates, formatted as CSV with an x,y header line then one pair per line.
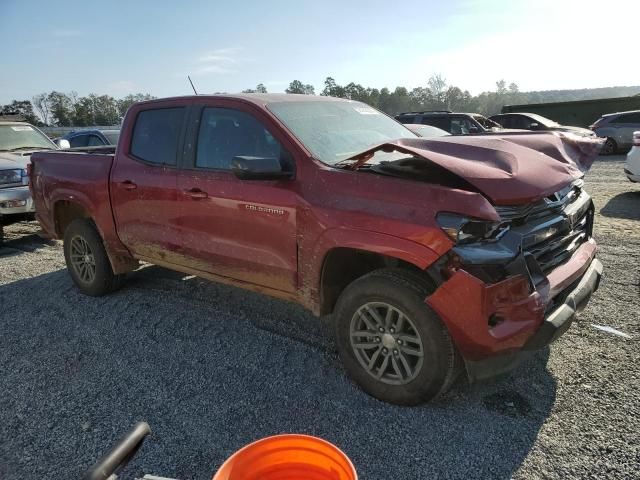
x,y
386,343
82,259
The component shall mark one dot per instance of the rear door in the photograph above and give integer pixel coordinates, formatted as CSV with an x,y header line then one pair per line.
x,y
143,180
245,230
624,126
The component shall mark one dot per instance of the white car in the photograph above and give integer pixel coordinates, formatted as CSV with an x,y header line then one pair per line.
x,y
18,140
632,166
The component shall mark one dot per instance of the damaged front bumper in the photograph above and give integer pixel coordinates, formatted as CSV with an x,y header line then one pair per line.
x,y
494,326
504,299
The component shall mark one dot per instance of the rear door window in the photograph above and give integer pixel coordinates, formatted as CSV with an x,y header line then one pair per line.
x,y
628,118
503,120
462,126
79,141
94,141
520,122
440,122
406,119
226,133
156,135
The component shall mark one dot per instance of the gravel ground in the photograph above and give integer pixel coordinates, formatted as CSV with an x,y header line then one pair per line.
x,y
212,368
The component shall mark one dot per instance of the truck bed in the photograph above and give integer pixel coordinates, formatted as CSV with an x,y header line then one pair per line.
x,y
73,175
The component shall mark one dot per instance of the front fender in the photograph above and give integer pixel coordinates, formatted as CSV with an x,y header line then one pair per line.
x,y
407,250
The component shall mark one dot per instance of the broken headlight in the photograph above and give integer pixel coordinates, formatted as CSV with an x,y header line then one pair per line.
x,y
462,229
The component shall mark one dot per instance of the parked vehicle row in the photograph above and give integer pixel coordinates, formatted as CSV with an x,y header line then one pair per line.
x,y
434,255
616,128
454,123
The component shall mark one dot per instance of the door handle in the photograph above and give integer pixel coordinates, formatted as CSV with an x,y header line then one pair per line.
x,y
196,193
128,185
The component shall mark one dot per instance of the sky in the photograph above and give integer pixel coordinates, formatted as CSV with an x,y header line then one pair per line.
x,y
119,47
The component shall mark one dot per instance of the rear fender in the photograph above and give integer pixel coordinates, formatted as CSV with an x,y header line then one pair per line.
x,y
119,257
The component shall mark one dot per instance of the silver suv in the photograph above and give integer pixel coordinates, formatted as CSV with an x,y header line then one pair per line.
x,y
618,129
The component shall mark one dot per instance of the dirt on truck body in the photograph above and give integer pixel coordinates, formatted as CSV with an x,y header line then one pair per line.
x,y
432,255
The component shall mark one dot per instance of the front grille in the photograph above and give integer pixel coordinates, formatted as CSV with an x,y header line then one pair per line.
x,y
552,230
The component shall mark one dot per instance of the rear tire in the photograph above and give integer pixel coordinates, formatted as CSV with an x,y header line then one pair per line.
x,y
390,342
610,147
87,260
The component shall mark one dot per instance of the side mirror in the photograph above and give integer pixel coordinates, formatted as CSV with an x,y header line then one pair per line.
x,y
534,126
63,143
473,129
259,168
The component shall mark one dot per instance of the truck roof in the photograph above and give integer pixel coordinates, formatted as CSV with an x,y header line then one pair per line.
x,y
256,98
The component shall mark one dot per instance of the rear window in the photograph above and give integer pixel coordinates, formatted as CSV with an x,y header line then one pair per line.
x,y
156,134
628,118
79,141
443,123
406,118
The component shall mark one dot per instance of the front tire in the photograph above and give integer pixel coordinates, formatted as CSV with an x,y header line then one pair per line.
x,y
390,342
87,260
610,146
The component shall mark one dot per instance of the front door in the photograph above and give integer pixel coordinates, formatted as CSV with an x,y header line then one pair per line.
x,y
143,183
245,230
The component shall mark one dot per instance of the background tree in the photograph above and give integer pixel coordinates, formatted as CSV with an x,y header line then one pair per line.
x,y
41,105
62,108
260,88
332,89
22,108
438,86
124,103
68,109
298,87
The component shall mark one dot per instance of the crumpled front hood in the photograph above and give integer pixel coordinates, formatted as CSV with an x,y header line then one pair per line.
x,y
509,169
9,160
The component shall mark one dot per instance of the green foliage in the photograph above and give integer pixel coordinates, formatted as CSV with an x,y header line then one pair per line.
x,y
22,108
124,103
68,110
298,87
438,95
260,88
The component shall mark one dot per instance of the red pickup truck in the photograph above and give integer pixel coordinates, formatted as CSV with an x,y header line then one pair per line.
x,y
433,255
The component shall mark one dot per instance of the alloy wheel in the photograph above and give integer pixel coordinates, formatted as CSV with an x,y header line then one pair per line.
x,y
82,259
386,343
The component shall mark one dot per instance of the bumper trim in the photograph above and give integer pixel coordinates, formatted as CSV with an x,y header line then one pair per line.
x,y
554,325
18,195
558,321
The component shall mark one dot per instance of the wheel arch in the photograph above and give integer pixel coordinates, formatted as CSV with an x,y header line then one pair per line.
x,y
345,261
67,210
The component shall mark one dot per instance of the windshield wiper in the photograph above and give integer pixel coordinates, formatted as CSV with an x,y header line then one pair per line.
x,y
28,148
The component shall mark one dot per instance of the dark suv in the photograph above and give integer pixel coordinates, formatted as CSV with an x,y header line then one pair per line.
x,y
454,123
92,138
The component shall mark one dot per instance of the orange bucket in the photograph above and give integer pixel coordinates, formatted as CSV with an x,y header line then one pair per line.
x,y
288,457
